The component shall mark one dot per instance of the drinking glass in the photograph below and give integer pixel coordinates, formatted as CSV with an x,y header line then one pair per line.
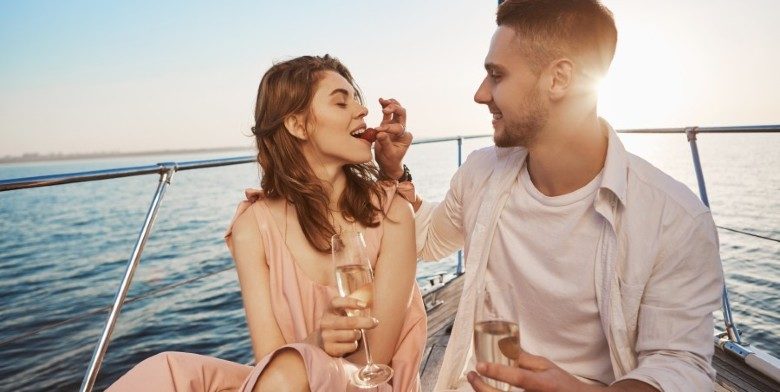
x,y
354,278
496,331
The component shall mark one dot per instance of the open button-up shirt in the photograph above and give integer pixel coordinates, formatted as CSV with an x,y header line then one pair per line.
x,y
658,272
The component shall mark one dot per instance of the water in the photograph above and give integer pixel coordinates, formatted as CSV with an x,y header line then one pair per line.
x,y
63,252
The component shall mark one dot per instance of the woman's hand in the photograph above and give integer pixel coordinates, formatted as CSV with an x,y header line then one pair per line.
x,y
392,140
338,335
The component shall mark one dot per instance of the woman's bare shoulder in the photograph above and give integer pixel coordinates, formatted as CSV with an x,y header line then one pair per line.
x,y
400,210
245,225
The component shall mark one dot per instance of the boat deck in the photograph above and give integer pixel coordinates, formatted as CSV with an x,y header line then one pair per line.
x,y
733,374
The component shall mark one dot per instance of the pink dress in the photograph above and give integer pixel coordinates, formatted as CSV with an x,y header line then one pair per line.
x,y
298,304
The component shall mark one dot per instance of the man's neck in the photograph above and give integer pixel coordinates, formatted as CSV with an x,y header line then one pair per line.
x,y
567,155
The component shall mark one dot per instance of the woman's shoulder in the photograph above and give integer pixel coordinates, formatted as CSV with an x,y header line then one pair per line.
x,y
244,220
397,208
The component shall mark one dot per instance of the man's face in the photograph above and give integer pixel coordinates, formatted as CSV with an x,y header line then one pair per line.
x,y
511,92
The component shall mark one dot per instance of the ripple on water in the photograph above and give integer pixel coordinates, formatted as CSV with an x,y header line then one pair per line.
x,y
65,249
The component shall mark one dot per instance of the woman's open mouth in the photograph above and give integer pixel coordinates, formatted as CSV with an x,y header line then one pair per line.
x,y
368,134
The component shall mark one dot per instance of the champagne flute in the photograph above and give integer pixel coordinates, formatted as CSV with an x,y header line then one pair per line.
x,y
496,331
354,278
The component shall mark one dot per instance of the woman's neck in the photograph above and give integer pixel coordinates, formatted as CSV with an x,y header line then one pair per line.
x,y
333,179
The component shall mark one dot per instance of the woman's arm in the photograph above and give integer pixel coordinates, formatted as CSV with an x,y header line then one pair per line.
x,y
253,276
336,335
394,274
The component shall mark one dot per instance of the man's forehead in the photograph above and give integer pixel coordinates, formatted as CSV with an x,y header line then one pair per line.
x,y
503,48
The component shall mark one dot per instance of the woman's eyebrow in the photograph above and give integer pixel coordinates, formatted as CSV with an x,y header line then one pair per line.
x,y
340,91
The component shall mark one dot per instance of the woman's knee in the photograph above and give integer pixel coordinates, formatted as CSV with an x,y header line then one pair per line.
x,y
285,372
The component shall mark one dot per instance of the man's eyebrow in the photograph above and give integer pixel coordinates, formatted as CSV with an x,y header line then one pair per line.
x,y
493,67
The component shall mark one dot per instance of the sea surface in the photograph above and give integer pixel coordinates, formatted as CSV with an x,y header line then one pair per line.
x,y
64,249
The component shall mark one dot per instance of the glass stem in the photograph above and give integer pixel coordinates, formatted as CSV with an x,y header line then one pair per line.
x,y
369,361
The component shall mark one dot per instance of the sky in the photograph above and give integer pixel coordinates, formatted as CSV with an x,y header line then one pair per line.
x,y
94,76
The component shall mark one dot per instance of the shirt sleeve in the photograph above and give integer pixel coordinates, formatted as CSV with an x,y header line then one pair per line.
x,y
675,327
439,226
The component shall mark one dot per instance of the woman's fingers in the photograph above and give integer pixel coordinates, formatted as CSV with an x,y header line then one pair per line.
x,y
347,303
392,112
339,349
341,335
342,322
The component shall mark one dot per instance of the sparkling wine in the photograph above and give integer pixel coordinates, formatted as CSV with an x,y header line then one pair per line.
x,y
356,281
489,339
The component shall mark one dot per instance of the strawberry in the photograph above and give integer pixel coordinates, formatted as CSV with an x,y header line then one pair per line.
x,y
369,135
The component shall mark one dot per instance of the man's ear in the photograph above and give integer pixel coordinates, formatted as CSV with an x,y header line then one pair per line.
x,y
561,74
296,125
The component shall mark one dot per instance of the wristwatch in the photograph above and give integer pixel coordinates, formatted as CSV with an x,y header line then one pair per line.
x,y
407,176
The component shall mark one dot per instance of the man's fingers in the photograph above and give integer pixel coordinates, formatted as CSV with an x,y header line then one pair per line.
x,y
509,347
512,375
532,362
478,384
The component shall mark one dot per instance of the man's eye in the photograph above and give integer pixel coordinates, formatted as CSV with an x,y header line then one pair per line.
x,y
341,104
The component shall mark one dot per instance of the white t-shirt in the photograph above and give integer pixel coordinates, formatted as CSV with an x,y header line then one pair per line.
x,y
541,246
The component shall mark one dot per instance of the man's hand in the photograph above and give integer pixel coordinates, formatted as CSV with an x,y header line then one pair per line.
x,y
534,373
538,374
392,141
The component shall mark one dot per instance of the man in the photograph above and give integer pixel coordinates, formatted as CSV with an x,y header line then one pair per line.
x,y
615,265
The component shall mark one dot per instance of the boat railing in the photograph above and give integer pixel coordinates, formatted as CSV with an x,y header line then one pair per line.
x,y
731,340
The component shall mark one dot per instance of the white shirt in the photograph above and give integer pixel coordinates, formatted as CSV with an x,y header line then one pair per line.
x,y
541,245
658,276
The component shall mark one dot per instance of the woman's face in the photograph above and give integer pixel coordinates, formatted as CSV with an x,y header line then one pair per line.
x,y
337,115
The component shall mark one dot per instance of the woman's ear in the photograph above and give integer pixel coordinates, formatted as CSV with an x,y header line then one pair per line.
x,y
296,125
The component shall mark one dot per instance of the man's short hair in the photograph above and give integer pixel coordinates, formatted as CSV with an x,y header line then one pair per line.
x,y
583,30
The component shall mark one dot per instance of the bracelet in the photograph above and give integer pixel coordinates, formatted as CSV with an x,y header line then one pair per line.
x,y
407,176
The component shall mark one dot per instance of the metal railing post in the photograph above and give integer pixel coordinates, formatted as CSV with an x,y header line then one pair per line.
x,y
459,269
728,320
167,170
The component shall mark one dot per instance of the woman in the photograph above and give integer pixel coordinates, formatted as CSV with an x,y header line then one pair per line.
x,y
318,180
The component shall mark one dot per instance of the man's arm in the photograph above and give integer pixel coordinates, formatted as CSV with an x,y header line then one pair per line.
x,y
675,326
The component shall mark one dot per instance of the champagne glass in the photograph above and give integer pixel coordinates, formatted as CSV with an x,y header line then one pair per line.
x,y
354,278
496,331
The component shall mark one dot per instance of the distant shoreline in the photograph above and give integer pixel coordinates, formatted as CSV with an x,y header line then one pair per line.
x,y
34,157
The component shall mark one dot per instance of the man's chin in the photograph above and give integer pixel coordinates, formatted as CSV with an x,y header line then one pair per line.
x,y
501,139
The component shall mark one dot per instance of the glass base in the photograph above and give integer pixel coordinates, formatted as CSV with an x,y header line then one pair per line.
x,y
372,375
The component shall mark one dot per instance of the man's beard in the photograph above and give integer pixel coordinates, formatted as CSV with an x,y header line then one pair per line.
x,y
523,131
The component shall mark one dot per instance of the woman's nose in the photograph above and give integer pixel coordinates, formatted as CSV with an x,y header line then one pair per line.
x,y
363,112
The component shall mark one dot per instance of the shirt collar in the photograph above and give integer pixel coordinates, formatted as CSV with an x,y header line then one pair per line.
x,y
615,166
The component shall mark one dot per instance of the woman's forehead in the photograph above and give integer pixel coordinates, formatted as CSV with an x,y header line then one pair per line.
x,y
331,82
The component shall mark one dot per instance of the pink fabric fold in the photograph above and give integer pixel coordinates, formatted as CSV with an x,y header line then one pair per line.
x,y
298,304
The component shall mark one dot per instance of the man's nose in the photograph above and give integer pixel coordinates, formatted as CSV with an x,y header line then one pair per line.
x,y
483,93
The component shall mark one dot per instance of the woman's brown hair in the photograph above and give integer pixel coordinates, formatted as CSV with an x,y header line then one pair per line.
x,y
287,88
